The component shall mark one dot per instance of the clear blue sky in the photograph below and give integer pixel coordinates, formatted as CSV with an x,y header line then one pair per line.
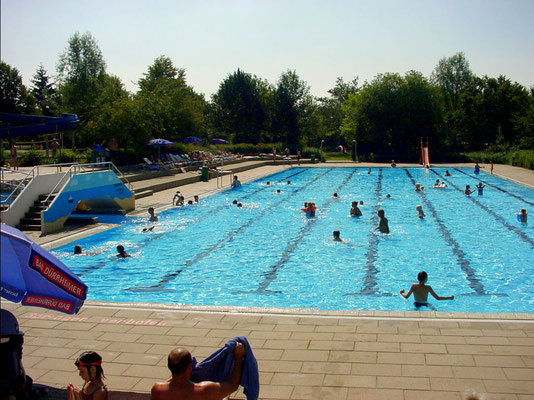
x,y
320,39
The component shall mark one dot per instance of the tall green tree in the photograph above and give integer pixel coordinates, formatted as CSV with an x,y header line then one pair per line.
x,y
14,97
239,108
170,108
489,111
330,113
292,104
452,75
389,115
80,68
46,96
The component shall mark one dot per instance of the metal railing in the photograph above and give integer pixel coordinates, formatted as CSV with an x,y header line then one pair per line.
x,y
18,185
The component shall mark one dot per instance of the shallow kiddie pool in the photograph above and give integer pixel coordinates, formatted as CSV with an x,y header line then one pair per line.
x,y
269,254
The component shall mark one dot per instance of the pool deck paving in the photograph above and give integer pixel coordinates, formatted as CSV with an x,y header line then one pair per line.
x,y
302,354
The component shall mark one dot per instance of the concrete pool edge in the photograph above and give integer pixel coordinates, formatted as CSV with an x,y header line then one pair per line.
x,y
316,313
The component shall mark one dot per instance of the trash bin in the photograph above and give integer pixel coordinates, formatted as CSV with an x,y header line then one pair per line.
x,y
205,174
313,158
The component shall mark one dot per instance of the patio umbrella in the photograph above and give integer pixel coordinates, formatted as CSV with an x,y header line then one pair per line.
x,y
33,276
159,143
219,141
192,139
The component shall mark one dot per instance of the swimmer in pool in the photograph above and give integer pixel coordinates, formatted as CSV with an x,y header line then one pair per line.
x,y
121,252
439,185
468,190
523,216
310,210
420,212
383,226
278,191
418,187
196,198
236,183
153,216
337,237
420,291
78,249
355,211
480,188
447,173
335,196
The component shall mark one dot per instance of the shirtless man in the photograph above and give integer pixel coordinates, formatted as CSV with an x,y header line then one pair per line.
x,y
383,225
420,291
179,386
355,211
152,213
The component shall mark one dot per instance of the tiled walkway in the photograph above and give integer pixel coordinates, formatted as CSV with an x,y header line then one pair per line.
x,y
352,355
301,354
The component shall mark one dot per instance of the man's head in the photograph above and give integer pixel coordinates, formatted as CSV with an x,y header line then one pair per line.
x,y
178,361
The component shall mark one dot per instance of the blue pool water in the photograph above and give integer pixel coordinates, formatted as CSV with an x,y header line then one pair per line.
x,y
269,254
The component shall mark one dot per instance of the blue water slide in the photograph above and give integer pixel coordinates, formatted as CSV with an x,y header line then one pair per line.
x,y
22,124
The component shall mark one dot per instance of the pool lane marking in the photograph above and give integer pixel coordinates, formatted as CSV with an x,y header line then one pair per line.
x,y
464,263
370,286
157,235
497,187
511,228
225,239
272,274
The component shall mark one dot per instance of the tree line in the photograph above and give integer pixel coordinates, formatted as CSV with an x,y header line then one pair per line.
x,y
453,109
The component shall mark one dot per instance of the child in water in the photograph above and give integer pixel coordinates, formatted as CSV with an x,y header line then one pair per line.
x,y
121,252
310,210
420,212
89,365
523,216
337,237
383,226
420,291
355,211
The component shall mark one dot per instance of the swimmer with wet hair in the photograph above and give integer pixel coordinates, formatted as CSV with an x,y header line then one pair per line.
x,y
355,211
78,249
420,212
337,237
420,291
523,216
152,213
121,252
383,225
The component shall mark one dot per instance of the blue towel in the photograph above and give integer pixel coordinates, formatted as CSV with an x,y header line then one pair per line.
x,y
218,366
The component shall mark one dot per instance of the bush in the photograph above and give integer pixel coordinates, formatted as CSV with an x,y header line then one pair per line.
x,y
66,156
308,151
30,158
518,158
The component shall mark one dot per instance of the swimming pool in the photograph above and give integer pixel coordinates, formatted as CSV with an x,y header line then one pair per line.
x,y
269,254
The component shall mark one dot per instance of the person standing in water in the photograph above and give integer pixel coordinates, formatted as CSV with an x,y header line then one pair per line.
x,y
420,291
383,225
